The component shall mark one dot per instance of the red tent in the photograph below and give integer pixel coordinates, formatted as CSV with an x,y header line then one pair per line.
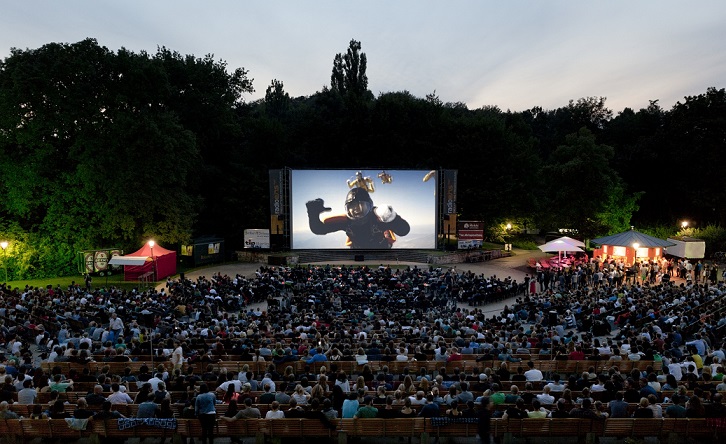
x,y
162,260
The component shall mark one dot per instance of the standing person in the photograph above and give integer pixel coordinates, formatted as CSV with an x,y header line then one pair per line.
x,y
177,356
484,419
204,407
116,325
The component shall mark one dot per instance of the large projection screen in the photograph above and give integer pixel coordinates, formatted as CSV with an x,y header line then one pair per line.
x,y
410,193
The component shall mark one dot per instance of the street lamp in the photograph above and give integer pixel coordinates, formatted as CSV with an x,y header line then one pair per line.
x,y
153,260
635,247
151,330
684,224
4,246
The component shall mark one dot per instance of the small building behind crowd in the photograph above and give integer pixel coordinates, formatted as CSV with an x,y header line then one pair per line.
x,y
630,246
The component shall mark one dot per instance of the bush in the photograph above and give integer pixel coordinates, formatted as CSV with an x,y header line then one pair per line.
x,y
524,244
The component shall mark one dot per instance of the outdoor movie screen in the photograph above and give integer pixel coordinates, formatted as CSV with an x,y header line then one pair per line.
x,y
363,209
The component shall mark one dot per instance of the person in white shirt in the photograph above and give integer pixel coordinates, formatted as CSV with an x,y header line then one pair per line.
x,y
85,339
177,356
402,356
118,397
556,385
223,387
533,374
158,377
674,368
116,325
545,398
599,385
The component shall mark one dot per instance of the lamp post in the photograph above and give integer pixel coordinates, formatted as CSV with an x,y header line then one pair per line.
x,y
4,246
684,224
153,259
151,331
635,247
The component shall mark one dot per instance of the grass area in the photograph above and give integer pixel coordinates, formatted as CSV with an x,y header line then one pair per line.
x,y
524,244
115,280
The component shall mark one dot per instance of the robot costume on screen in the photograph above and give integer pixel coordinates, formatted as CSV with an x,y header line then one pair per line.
x,y
366,225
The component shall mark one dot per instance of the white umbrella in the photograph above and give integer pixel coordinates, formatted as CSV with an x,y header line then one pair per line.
x,y
559,245
571,241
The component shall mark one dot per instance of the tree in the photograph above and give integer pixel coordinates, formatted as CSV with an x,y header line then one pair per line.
x,y
581,187
100,149
277,100
694,140
349,72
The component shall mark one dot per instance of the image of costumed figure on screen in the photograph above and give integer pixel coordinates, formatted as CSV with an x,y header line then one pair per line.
x,y
366,225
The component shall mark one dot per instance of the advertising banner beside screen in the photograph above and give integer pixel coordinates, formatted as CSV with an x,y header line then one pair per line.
x,y
276,192
363,209
257,238
450,185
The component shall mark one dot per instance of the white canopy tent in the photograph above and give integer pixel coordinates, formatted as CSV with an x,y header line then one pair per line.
x,y
571,241
128,260
560,245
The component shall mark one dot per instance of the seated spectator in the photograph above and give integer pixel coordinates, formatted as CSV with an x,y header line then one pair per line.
x,y
5,413
537,410
517,411
246,412
643,410
367,410
584,411
545,398
275,412
561,410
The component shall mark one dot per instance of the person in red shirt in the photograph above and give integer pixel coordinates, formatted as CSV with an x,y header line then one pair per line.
x,y
577,354
454,355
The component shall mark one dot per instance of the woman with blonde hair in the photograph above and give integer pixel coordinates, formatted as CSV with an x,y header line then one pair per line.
x,y
424,385
407,386
242,375
360,384
360,357
320,390
300,395
503,372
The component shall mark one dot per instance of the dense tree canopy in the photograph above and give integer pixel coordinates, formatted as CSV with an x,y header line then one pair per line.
x,y
102,148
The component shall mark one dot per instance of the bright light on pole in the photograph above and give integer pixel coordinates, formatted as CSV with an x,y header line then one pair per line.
x,y
684,224
153,260
151,331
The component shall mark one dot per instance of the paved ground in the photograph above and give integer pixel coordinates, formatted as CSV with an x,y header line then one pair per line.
x,y
514,266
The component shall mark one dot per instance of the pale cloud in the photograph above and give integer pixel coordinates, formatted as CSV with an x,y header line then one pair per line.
x,y
512,54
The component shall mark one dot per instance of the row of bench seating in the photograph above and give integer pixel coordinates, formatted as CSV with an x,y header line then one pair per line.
x,y
467,364
674,430
131,410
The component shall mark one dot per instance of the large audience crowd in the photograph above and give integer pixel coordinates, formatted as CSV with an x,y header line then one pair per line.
x,y
330,315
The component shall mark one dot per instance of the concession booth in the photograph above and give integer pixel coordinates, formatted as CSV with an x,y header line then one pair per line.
x,y
630,246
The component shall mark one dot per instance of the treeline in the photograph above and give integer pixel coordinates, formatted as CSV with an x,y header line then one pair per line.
x,y
102,148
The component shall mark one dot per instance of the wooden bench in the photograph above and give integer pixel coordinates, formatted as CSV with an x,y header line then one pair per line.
x,y
673,430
